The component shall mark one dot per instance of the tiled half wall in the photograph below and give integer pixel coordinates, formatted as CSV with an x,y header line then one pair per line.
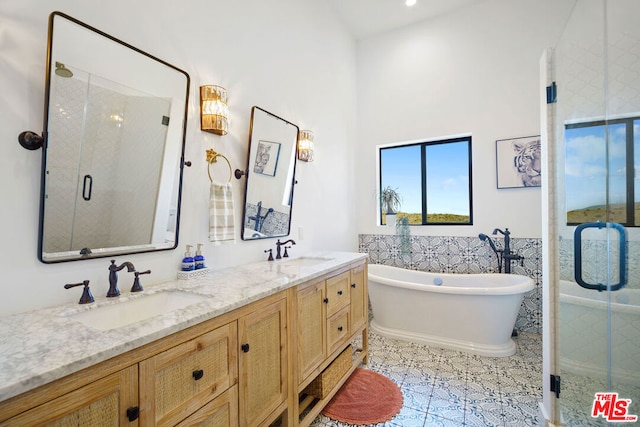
x,y
462,255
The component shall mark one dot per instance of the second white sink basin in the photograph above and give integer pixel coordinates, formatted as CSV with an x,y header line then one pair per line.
x,y
119,314
306,261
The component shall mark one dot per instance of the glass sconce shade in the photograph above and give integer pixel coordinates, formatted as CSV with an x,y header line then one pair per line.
x,y
305,146
214,111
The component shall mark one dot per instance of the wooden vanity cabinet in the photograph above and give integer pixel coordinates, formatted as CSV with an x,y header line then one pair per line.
x,y
246,367
263,363
178,381
328,314
109,401
310,327
220,412
359,297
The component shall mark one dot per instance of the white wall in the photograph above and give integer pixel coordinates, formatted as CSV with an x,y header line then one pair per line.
x,y
290,57
473,71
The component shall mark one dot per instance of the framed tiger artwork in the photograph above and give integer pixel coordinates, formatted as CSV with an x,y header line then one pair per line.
x,y
518,162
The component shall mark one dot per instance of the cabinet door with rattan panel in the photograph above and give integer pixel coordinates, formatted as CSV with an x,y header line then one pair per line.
x,y
176,383
220,412
310,328
262,362
359,297
101,403
337,292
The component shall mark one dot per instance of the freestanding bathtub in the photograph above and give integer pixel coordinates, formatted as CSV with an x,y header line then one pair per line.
x,y
583,332
475,313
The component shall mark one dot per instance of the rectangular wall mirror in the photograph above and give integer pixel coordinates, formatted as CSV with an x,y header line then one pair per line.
x,y
270,176
114,130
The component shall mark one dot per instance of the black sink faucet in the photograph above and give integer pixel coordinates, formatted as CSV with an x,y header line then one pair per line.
x,y
278,244
113,276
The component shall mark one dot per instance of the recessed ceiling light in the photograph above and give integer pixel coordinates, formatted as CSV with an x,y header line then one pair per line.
x,y
410,2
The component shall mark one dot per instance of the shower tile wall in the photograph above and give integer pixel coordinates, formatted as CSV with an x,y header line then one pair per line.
x,y
96,144
461,255
276,223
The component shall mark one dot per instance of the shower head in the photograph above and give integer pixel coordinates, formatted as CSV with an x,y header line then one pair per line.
x,y
484,237
63,71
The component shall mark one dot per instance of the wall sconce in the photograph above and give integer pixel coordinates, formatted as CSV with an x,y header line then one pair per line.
x,y
305,145
214,112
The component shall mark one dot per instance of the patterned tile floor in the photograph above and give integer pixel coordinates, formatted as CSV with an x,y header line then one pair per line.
x,y
450,388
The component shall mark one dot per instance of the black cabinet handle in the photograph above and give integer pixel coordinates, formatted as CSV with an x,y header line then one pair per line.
x,y
326,300
340,328
245,348
133,413
197,374
353,285
339,292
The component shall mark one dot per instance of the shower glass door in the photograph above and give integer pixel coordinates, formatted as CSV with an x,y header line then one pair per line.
x,y
596,146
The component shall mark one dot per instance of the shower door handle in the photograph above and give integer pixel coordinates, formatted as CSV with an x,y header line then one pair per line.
x,y
577,250
86,192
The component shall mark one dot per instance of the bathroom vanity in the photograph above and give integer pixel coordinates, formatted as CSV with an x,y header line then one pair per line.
x,y
243,352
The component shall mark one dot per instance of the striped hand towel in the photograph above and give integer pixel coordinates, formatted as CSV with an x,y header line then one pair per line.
x,y
221,223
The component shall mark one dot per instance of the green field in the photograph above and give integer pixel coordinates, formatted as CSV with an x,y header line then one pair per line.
x,y
617,213
416,219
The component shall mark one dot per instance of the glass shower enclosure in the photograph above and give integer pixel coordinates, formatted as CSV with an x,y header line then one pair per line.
x,y
592,134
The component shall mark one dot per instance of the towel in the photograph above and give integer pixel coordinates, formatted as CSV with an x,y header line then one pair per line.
x,y
221,224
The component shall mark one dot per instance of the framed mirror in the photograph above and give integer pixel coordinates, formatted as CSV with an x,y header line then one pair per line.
x,y
270,176
113,152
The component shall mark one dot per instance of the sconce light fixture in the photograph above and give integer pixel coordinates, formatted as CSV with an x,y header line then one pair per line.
x,y
214,111
305,146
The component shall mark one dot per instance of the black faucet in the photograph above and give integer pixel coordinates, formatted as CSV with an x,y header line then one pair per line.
x,y
505,255
260,219
278,244
137,287
113,276
86,297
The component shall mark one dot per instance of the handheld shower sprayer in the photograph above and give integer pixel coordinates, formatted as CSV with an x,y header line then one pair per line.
x,y
486,238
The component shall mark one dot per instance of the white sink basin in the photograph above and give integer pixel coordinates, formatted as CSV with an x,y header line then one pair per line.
x,y
119,314
305,261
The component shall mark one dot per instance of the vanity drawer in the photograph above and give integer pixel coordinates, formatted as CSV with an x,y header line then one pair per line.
x,y
337,293
338,329
220,412
179,381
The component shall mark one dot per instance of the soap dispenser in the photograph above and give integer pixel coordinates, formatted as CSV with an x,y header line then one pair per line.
x,y
188,263
199,258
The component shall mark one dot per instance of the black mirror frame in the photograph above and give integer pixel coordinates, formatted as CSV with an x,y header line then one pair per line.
x,y
32,141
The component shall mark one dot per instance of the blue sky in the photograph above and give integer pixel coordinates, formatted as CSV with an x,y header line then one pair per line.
x,y
447,177
586,166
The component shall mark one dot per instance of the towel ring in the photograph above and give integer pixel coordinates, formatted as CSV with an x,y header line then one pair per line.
x,y
212,157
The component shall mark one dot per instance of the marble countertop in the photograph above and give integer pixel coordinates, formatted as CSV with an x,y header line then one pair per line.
x,y
40,346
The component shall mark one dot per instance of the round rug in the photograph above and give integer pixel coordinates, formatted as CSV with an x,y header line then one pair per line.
x,y
366,398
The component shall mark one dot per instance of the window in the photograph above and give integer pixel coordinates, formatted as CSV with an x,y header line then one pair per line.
x,y
432,179
600,163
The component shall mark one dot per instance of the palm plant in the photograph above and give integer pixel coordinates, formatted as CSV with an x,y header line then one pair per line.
x,y
390,200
